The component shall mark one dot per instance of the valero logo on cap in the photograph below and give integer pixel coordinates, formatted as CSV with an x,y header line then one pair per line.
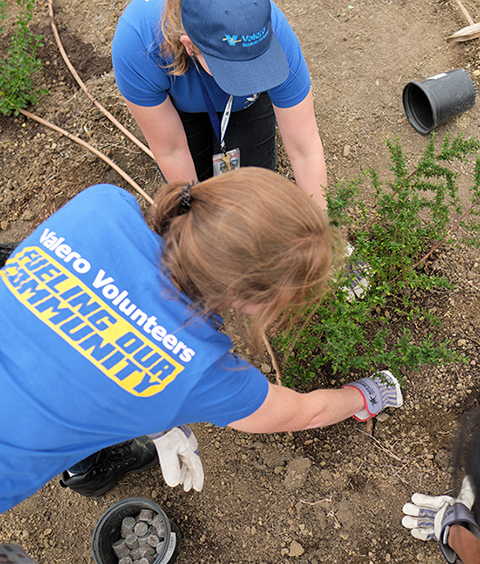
x,y
247,40
238,43
232,39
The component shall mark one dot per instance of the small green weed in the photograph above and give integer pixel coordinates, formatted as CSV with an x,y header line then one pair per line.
x,y
16,70
413,217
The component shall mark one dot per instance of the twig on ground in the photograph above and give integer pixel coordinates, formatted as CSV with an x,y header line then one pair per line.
x,y
472,31
380,446
473,285
329,514
96,152
84,88
278,377
465,13
369,427
315,502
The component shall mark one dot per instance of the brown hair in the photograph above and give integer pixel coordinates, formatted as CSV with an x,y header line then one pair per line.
x,y
249,236
172,29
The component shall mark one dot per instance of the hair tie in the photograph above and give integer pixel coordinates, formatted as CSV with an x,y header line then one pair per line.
x,y
186,198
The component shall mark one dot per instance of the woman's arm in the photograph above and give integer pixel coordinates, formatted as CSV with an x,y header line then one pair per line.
x,y
299,132
163,129
287,410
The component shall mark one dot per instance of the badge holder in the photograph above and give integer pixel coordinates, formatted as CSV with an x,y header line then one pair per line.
x,y
226,160
223,162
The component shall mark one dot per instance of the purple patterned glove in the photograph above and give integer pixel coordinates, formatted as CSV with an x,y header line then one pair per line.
x,y
379,391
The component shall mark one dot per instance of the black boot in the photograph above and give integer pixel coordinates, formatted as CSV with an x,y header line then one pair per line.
x,y
99,473
5,251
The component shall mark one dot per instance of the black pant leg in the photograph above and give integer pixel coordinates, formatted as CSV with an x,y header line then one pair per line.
x,y
252,130
200,136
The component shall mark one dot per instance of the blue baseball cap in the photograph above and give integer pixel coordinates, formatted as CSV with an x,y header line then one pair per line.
x,y
238,43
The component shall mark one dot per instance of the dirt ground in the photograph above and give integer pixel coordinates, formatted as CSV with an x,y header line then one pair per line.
x,y
330,495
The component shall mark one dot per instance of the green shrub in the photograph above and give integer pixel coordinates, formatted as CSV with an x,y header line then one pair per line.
x,y
412,217
16,70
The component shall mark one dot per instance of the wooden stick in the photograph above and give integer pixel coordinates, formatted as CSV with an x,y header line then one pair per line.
x,y
465,34
96,152
466,15
84,88
278,377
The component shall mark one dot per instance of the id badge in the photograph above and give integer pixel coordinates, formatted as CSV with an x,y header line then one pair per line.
x,y
226,161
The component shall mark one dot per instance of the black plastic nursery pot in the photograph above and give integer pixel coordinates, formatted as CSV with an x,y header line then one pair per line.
x,y
438,99
108,530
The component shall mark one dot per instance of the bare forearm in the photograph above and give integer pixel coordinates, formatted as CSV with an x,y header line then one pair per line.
x,y
287,410
176,166
311,175
332,406
164,132
299,131
465,544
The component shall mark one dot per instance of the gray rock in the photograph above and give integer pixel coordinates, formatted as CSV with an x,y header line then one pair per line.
x,y
345,515
296,472
296,549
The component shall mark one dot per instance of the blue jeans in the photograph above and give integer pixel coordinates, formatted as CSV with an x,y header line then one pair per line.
x,y
252,130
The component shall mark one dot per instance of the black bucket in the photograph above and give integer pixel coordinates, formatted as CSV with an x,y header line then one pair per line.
x,y
108,530
438,99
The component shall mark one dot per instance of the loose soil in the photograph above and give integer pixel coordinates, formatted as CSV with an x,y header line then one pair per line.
x,y
330,495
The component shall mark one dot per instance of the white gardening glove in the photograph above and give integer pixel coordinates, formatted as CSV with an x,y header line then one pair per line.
x,y
379,391
357,274
179,458
430,517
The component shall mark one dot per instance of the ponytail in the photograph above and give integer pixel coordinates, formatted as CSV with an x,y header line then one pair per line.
x,y
176,200
248,236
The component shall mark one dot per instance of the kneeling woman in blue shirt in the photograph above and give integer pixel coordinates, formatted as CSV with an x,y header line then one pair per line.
x,y
110,330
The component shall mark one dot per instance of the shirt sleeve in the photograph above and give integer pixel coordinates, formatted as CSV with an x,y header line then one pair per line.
x,y
230,390
298,84
136,66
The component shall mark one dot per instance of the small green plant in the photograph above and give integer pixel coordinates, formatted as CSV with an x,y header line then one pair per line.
x,y
412,218
16,70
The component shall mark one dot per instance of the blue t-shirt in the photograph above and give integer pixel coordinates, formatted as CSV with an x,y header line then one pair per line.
x,y
142,80
98,347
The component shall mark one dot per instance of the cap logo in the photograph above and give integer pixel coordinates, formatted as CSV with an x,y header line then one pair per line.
x,y
231,39
247,40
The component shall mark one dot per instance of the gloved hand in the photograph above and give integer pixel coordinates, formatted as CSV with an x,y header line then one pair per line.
x,y
357,274
179,458
379,391
430,517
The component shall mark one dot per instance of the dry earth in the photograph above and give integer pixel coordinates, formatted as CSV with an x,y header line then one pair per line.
x,y
332,495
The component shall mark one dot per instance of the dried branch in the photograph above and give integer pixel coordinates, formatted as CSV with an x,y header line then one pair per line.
x,y
84,88
96,152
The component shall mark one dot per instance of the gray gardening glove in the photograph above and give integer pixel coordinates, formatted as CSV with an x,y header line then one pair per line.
x,y
430,517
179,458
357,275
379,391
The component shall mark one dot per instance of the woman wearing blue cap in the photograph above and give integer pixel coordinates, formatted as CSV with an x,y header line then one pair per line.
x,y
206,80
